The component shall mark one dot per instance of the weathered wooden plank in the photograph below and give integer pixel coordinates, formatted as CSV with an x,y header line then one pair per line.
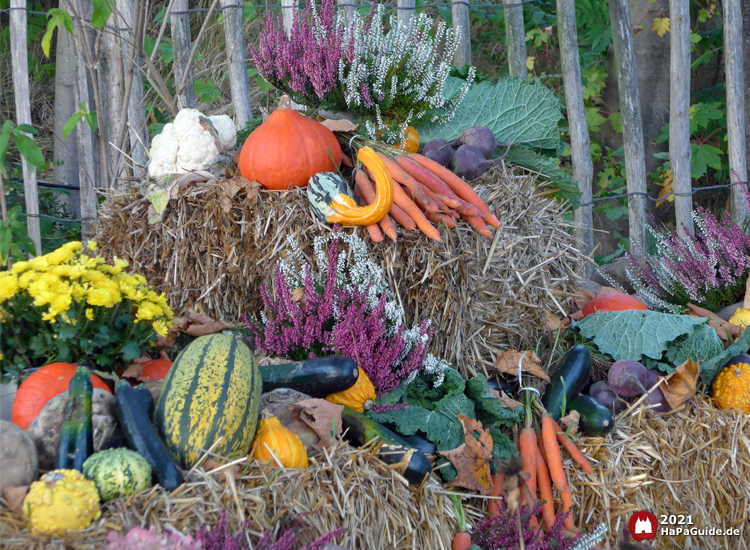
x,y
516,39
679,114
349,8
462,26
112,89
236,46
20,62
288,7
406,9
632,125
583,166
735,104
181,43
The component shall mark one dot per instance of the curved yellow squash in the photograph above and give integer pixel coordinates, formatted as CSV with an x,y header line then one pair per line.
x,y
346,210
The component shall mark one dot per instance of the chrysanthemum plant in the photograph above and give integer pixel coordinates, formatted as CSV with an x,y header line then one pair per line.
x,y
709,269
389,74
72,306
343,308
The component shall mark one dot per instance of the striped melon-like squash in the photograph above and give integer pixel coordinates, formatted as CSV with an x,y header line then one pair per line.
x,y
211,393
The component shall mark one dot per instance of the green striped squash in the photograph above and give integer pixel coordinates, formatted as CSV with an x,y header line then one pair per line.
x,y
211,394
117,473
323,189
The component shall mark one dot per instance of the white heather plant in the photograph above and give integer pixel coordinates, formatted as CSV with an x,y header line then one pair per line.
x,y
388,78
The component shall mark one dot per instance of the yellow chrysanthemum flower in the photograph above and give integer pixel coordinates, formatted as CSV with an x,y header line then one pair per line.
x,y
25,279
8,286
99,297
39,263
19,267
148,311
89,314
59,256
73,246
161,327
92,245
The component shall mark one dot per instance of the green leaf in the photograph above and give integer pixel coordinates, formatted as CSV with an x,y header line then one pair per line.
x,y
516,110
635,334
615,119
131,351
93,120
71,124
30,151
67,332
27,129
594,119
711,367
704,156
502,446
489,409
4,145
700,345
567,189
101,13
617,212
6,240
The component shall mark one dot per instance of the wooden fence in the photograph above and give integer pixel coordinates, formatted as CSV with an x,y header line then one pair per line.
x,y
124,113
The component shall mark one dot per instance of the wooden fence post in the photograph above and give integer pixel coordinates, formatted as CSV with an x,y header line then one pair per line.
x,y
583,166
181,49
462,25
349,7
735,103
20,62
111,86
288,7
679,114
632,125
236,46
406,9
516,39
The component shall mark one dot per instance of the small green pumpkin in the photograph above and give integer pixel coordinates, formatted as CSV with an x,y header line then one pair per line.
x,y
118,473
323,189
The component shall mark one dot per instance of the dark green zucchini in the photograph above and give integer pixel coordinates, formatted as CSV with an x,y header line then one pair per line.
x,y
499,384
575,369
134,407
596,419
417,441
317,377
360,430
77,434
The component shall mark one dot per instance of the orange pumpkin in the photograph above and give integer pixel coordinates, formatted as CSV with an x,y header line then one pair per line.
x,y
288,149
156,369
615,301
410,142
41,386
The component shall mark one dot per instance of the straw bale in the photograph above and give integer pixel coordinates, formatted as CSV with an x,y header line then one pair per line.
x,y
344,488
219,241
693,461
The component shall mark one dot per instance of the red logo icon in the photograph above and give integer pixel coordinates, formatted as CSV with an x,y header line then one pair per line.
x,y
642,526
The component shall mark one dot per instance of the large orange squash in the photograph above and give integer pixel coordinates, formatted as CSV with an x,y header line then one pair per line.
x,y
615,301
41,386
288,149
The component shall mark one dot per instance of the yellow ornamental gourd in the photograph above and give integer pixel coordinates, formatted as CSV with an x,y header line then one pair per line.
x,y
63,500
360,397
741,317
732,387
274,440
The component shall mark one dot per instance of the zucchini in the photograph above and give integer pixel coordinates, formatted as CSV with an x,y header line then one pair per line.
x,y
317,377
498,384
77,433
417,441
575,369
134,408
596,419
360,430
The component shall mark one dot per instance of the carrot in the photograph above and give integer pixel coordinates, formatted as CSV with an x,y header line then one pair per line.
x,y
479,226
574,451
498,482
403,219
408,206
527,448
555,465
419,196
462,541
459,186
443,208
545,489
425,177
375,234
540,444
346,161
437,217
364,188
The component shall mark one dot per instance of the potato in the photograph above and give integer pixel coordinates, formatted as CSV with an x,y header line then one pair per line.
x,y
18,457
45,429
627,377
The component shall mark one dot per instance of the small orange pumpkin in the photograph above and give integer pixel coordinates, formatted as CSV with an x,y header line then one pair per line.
x,y
274,438
409,140
732,387
288,149
360,397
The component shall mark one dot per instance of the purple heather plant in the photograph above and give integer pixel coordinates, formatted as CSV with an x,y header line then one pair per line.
x,y
341,312
709,269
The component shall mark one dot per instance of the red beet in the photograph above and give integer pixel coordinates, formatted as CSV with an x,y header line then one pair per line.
x,y
438,150
627,377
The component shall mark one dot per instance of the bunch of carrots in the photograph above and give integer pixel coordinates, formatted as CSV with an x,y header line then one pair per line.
x,y
542,461
424,193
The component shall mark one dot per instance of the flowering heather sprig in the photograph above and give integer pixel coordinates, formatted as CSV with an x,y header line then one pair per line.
x,y
391,78
708,269
501,531
220,537
387,408
347,309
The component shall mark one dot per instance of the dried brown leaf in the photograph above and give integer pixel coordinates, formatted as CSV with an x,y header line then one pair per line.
x,y
299,296
679,386
322,416
571,421
233,470
505,401
134,370
577,316
340,125
507,363
554,323
723,328
201,325
471,459
14,496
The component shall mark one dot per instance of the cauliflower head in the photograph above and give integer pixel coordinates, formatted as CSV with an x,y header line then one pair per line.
x,y
185,144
